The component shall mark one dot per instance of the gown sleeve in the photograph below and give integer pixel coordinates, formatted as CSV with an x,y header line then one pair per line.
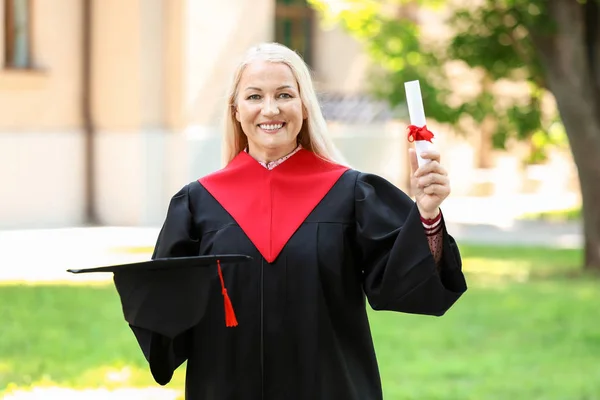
x,y
399,270
165,354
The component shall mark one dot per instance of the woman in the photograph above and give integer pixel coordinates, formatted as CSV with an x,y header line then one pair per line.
x,y
324,239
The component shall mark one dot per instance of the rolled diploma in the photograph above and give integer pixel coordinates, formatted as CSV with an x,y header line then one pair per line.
x,y
417,117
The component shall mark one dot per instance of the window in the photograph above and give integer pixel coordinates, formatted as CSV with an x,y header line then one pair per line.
x,y
17,34
293,26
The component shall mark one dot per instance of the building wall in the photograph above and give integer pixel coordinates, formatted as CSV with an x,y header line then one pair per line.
x,y
46,98
340,62
129,108
41,178
162,65
158,67
40,136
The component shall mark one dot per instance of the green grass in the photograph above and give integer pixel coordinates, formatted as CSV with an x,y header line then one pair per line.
x,y
569,214
68,335
528,328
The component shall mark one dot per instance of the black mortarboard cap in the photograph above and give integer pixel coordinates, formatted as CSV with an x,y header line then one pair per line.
x,y
168,295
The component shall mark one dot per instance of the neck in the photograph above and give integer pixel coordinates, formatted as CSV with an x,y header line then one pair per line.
x,y
270,155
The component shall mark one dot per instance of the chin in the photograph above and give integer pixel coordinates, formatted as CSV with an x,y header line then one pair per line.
x,y
275,142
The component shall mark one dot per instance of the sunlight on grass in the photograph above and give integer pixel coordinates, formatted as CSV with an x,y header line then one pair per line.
x,y
539,258
495,272
101,282
567,214
134,250
491,266
117,381
112,377
524,330
57,393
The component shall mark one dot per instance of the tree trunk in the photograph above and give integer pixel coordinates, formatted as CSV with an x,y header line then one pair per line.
x,y
571,58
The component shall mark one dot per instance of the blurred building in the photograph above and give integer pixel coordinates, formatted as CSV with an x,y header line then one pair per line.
x,y
110,106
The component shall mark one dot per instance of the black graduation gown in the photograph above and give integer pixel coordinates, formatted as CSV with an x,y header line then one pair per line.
x,y
303,331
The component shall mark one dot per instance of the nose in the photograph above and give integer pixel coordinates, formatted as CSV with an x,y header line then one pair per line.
x,y
270,108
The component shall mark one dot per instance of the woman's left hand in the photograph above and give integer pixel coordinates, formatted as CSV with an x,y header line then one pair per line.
x,y
430,183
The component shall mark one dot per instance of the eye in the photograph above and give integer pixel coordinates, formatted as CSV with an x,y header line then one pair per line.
x,y
285,96
253,97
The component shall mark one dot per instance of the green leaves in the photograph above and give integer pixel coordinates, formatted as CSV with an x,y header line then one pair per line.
x,y
491,39
496,38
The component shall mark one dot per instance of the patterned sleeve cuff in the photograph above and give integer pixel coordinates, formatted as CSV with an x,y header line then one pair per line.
x,y
433,231
432,226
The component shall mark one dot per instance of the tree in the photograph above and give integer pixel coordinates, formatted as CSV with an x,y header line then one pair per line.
x,y
549,46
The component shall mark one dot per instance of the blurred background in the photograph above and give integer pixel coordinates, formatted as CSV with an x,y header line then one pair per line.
x,y
109,107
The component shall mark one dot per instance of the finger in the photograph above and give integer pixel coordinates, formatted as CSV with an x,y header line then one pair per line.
x,y
414,164
437,189
432,179
431,167
432,155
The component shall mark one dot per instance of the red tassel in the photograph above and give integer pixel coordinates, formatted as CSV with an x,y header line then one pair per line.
x,y
416,133
230,320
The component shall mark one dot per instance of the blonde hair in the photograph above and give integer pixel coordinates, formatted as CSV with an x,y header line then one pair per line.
x,y
313,133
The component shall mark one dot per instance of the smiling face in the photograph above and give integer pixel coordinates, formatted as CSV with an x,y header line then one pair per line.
x,y
269,109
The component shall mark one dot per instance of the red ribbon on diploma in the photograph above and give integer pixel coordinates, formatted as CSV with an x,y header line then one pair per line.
x,y
419,133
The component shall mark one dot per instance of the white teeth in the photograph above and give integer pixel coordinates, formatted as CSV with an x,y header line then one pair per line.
x,y
271,127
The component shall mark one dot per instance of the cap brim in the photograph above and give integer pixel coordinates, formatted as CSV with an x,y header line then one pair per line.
x,y
168,263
